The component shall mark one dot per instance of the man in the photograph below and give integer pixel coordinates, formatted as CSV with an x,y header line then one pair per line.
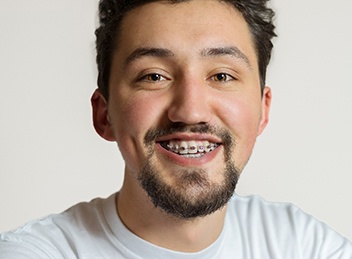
x,y
182,92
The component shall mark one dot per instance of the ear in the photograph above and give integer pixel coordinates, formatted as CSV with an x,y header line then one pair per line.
x,y
100,116
266,103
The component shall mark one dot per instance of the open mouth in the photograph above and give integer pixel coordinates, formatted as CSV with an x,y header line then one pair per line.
x,y
190,149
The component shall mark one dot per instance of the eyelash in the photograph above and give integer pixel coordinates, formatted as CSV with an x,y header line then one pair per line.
x,y
155,77
225,77
149,78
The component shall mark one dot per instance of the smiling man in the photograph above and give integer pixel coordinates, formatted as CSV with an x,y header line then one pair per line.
x,y
193,103
182,92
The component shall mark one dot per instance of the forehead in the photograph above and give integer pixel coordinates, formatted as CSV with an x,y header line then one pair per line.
x,y
185,27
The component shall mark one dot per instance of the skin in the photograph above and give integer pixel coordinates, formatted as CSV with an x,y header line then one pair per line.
x,y
189,86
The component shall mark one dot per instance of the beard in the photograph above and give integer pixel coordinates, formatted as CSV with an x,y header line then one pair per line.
x,y
193,194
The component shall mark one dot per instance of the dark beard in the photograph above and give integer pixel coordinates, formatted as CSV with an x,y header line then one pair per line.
x,y
193,195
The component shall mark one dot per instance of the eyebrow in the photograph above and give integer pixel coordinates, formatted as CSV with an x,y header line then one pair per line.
x,y
148,52
226,51
208,52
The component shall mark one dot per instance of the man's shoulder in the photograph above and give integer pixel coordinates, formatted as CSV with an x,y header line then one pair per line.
x,y
83,213
276,224
277,215
51,236
251,203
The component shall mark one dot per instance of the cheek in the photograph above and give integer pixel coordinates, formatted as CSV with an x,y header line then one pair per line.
x,y
133,117
136,112
241,116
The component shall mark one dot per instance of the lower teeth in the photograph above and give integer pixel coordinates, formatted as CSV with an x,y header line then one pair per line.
x,y
193,155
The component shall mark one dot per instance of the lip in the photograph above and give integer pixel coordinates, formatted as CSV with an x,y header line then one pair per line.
x,y
188,162
190,136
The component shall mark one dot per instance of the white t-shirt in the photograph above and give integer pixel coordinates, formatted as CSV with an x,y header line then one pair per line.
x,y
253,228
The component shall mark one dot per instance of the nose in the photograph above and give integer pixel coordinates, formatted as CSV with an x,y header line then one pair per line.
x,y
190,102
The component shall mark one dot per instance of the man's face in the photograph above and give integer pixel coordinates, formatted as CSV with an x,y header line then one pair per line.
x,y
185,105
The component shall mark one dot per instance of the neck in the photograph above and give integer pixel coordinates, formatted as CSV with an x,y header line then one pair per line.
x,y
155,226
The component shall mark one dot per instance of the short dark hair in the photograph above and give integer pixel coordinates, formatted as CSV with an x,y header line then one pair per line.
x,y
111,12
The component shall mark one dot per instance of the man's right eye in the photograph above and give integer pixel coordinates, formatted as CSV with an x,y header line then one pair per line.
x,y
153,78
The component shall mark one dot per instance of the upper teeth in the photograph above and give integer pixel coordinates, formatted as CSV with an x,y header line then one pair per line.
x,y
191,147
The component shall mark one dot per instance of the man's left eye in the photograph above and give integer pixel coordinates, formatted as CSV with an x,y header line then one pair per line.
x,y
223,77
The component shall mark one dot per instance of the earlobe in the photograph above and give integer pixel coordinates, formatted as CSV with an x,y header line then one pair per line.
x,y
100,116
266,103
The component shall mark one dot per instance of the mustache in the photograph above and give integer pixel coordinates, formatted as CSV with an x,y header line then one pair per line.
x,y
178,127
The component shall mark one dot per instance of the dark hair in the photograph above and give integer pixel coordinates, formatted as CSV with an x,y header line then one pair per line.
x,y
111,12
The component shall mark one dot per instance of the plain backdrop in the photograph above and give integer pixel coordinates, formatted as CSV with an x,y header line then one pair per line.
x,y
51,157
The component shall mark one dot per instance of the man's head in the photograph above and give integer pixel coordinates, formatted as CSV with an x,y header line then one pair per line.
x,y
185,105
111,13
